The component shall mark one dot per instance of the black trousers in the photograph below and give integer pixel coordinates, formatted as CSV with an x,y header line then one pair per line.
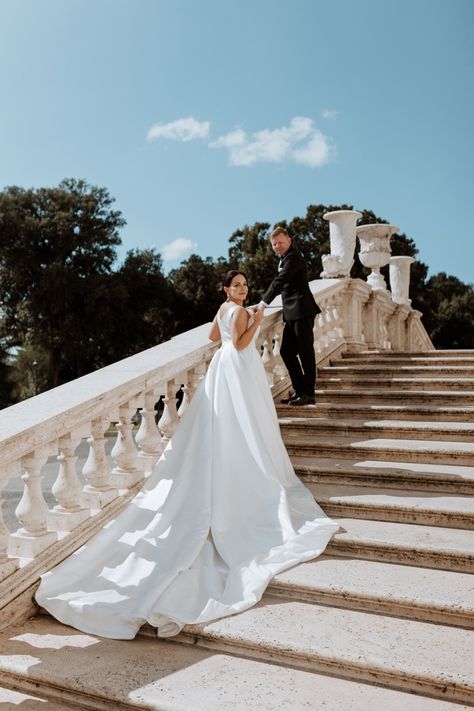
x,y
297,352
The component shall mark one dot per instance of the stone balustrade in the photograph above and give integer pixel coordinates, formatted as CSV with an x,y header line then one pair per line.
x,y
353,317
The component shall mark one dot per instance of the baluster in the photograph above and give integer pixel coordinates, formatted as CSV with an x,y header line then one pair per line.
x,y
98,492
185,401
197,375
32,511
126,473
317,333
148,436
169,419
67,489
267,359
7,565
279,368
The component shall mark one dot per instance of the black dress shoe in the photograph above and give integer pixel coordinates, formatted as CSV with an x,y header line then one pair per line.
x,y
303,400
287,400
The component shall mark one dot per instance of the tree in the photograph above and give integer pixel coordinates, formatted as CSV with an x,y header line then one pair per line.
x,y
448,311
195,286
56,244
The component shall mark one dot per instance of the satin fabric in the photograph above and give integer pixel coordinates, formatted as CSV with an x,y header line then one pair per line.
x,y
220,515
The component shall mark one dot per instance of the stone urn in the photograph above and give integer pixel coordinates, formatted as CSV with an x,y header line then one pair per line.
x,y
342,235
400,279
375,251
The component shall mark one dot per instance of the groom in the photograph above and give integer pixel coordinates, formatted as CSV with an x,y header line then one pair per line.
x,y
299,311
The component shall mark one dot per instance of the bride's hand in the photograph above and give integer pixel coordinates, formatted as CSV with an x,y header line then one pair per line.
x,y
257,315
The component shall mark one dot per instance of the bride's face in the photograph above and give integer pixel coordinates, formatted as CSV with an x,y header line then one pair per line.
x,y
238,289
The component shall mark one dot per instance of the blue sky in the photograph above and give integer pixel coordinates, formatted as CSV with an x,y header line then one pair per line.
x,y
201,116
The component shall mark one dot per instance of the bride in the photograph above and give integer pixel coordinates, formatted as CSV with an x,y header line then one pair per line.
x,y
220,515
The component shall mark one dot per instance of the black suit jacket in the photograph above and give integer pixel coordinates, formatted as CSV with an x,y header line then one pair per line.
x,y
292,283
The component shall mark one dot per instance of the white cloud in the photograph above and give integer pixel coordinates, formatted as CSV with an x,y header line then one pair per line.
x,y
184,129
300,142
178,248
330,113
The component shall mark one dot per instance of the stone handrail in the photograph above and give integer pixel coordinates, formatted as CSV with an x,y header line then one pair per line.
x,y
353,317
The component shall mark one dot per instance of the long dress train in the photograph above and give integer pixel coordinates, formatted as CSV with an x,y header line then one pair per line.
x,y
220,515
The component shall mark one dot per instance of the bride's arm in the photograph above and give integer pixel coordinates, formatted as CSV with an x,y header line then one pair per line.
x,y
241,332
215,333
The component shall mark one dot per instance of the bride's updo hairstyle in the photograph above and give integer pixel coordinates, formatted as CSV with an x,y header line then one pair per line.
x,y
227,281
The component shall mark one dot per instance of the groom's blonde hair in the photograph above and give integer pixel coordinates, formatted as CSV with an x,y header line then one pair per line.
x,y
279,231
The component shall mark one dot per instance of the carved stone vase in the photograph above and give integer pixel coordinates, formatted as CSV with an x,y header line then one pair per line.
x,y
342,236
375,251
400,279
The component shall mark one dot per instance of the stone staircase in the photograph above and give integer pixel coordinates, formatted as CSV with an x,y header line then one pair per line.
x,y
383,620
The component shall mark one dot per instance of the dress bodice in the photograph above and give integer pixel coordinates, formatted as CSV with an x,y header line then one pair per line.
x,y
224,324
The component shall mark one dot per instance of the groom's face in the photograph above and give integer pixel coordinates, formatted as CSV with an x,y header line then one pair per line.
x,y
281,244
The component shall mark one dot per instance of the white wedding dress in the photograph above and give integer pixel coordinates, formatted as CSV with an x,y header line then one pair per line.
x,y
220,515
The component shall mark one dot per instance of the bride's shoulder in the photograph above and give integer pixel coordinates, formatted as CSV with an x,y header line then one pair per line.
x,y
233,309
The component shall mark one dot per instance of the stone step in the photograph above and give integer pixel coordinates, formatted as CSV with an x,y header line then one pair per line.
x,y
393,396
420,507
388,355
401,383
148,673
362,411
395,363
423,594
396,429
405,450
405,544
406,371
397,653
11,699
438,478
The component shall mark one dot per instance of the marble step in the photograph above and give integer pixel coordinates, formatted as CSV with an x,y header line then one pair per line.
x,y
345,410
56,666
392,396
388,355
420,507
394,429
438,478
420,657
355,372
368,382
404,360
423,594
11,699
404,543
381,449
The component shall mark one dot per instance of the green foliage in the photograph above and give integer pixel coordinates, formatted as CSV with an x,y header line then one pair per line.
x,y
194,284
447,305
67,309
55,243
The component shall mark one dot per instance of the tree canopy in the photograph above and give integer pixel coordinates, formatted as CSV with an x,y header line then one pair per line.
x,y
68,307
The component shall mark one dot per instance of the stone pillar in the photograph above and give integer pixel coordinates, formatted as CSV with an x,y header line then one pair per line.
x,y
342,236
400,279
397,327
375,251
354,297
